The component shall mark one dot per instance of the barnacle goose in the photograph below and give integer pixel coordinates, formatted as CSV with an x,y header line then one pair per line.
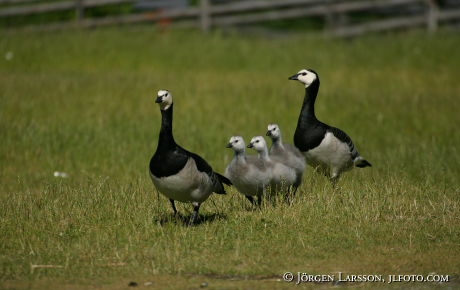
x,y
280,175
326,148
247,173
287,154
177,173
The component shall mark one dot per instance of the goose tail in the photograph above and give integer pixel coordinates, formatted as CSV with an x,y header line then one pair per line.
x,y
361,162
218,183
224,179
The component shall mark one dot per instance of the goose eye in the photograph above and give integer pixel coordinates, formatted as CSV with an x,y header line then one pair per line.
x,y
304,74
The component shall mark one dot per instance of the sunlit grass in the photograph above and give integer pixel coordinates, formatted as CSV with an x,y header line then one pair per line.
x,y
83,103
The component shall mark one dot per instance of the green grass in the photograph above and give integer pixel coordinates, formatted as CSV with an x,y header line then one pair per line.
x,y
82,102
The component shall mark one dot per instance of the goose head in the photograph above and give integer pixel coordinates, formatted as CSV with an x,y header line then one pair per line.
x,y
305,76
273,131
258,143
236,143
164,99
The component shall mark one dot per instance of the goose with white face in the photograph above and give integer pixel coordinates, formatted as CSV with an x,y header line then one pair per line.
x,y
178,173
305,76
326,148
165,99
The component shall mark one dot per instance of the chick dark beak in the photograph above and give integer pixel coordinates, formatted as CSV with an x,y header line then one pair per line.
x,y
229,145
250,145
269,133
159,100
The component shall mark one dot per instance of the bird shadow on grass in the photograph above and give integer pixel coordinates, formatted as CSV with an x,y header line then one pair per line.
x,y
184,220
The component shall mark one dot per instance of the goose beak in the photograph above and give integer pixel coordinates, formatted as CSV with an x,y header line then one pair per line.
x,y
294,77
229,145
159,100
250,145
268,133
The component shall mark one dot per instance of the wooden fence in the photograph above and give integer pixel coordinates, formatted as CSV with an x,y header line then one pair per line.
x,y
388,14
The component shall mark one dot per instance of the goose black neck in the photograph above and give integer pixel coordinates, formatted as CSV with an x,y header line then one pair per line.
x,y
308,106
166,136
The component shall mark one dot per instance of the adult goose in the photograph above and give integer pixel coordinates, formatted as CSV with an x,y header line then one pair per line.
x,y
326,148
177,173
247,173
281,176
287,154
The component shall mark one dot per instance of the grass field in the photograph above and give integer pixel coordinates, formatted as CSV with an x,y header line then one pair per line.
x,y
82,102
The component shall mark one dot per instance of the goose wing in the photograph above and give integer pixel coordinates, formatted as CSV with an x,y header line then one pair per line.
x,y
217,179
342,136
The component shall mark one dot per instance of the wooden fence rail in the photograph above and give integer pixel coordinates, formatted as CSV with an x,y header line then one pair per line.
x,y
39,8
208,14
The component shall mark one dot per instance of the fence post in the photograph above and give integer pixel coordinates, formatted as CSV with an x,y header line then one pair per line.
x,y
432,16
333,20
205,19
79,10
329,18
